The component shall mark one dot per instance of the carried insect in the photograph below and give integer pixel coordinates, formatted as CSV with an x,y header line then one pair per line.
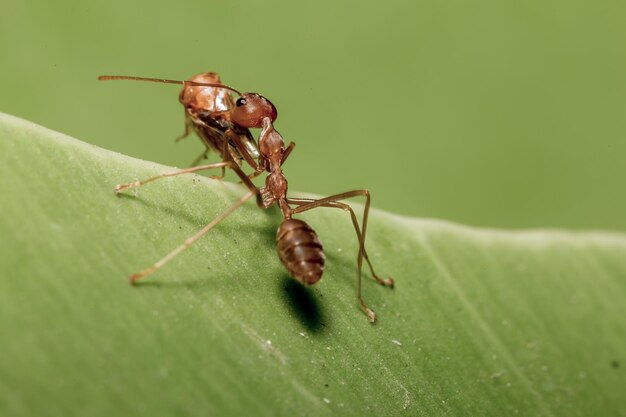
x,y
223,126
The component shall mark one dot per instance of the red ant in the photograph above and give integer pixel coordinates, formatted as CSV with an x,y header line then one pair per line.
x,y
224,127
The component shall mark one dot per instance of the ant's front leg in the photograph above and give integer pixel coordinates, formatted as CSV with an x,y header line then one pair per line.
x,y
262,162
242,150
287,152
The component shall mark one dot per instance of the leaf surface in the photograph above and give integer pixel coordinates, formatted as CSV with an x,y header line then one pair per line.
x,y
481,322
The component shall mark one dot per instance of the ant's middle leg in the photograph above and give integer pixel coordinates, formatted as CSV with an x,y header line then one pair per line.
x,y
287,152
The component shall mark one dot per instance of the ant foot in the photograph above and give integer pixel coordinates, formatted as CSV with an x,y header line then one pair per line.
x,y
121,187
389,282
370,314
134,277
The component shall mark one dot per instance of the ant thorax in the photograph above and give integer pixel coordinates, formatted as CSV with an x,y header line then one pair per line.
x,y
272,149
271,145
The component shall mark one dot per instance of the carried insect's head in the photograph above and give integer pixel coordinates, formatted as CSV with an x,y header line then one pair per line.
x,y
250,110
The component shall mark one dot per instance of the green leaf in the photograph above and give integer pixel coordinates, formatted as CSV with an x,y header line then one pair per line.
x,y
481,322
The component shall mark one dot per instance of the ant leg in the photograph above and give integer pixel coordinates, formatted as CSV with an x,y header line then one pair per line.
x,y
121,187
255,174
193,239
259,170
242,150
249,184
346,207
287,152
334,199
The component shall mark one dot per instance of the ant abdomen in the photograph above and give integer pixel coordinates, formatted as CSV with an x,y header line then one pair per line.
x,y
300,250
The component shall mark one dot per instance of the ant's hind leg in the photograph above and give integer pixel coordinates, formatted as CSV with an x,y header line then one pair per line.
x,y
334,201
389,282
121,187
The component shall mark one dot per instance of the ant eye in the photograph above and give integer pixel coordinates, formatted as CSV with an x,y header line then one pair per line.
x,y
240,102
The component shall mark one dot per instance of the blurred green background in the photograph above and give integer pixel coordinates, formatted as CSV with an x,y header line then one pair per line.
x,y
495,113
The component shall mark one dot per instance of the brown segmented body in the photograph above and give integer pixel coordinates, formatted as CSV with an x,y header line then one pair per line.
x,y
300,250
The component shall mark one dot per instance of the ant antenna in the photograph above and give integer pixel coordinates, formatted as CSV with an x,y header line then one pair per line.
x,y
161,80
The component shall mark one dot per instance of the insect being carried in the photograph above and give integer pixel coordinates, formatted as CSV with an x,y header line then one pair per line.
x,y
223,126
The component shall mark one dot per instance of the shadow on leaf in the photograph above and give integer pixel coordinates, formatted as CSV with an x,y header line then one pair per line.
x,y
302,302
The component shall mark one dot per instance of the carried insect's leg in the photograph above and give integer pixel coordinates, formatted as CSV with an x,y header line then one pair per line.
x,y
122,187
193,239
245,180
336,198
203,155
346,207
225,158
186,131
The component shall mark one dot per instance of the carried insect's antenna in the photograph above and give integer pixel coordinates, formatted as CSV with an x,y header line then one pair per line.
x,y
161,80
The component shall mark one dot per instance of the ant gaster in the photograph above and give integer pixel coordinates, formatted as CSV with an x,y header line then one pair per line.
x,y
224,127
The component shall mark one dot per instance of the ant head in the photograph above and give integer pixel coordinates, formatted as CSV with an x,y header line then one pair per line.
x,y
250,110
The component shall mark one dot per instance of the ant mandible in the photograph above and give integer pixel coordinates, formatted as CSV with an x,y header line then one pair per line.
x,y
223,126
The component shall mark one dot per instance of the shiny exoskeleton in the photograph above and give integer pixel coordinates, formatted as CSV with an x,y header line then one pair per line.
x,y
225,128
300,250
207,112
